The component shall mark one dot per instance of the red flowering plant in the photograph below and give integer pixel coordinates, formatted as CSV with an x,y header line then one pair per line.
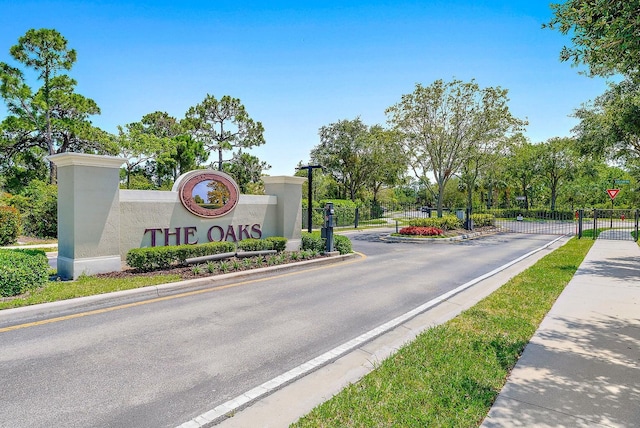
x,y
420,231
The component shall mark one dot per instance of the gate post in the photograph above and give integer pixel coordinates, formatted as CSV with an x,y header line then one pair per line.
x,y
636,218
580,219
595,222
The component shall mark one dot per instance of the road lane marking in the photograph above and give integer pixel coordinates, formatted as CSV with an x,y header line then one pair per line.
x,y
224,410
173,296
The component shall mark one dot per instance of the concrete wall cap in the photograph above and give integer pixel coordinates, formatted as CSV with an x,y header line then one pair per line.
x,y
84,159
283,179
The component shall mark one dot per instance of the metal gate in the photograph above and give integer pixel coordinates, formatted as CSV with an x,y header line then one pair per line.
x,y
539,222
615,224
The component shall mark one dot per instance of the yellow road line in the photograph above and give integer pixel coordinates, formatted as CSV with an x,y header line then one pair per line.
x,y
173,296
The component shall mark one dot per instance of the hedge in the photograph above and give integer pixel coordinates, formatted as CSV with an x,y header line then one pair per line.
x,y
22,270
342,244
279,243
535,214
38,206
146,259
314,242
9,225
480,220
344,209
255,245
447,222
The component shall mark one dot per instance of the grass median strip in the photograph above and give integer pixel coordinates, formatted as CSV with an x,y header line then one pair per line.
x,y
451,374
84,286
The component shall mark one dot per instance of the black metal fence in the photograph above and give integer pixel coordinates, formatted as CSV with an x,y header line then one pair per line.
x,y
621,224
375,215
616,224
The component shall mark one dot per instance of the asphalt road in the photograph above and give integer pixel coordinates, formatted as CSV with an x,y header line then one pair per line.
x,y
163,362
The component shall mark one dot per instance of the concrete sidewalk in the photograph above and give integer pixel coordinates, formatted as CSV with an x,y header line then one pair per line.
x,y
582,366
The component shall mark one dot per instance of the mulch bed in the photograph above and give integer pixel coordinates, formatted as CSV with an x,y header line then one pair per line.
x,y
190,272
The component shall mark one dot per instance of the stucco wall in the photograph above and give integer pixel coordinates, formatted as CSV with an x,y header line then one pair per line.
x,y
146,209
98,223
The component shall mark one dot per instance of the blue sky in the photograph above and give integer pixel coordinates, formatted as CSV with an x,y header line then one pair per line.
x,y
297,66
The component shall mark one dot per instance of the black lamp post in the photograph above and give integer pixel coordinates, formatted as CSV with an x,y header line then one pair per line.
x,y
309,169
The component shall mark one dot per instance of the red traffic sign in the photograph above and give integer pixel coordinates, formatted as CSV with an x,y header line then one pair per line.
x,y
613,193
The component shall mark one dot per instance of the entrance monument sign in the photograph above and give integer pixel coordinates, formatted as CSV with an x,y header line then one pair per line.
x,y
98,223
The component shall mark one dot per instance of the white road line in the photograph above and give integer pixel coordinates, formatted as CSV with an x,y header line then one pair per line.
x,y
219,413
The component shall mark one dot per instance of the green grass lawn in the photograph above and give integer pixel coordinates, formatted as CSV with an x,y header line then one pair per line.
x,y
451,374
83,286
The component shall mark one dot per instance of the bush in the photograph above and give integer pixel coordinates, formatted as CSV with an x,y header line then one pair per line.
x,y
342,244
314,242
255,245
317,218
38,206
22,270
147,259
279,243
420,231
344,209
9,225
480,220
448,222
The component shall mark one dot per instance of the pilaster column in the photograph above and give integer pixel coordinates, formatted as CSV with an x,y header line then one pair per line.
x,y
289,192
88,214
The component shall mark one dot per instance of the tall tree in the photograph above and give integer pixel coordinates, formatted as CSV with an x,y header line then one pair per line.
x,y
523,167
604,34
345,152
223,125
53,117
558,164
143,141
389,162
246,169
610,126
445,122
183,154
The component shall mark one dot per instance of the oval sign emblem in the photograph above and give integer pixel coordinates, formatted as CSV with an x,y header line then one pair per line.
x,y
209,193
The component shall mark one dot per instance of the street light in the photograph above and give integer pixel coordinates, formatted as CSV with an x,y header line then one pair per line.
x,y
309,169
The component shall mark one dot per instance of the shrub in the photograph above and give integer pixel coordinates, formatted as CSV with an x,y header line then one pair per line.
x,y
420,231
342,244
22,270
9,225
40,215
314,242
448,222
480,220
255,244
146,259
279,243
317,219
344,209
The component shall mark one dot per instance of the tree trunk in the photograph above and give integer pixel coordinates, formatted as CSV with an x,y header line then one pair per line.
x,y
440,198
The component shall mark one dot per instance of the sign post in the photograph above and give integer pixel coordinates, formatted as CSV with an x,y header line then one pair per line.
x,y
612,194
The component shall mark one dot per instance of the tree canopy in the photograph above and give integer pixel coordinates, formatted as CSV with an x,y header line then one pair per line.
x,y
610,125
604,34
445,122
358,156
223,125
53,118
